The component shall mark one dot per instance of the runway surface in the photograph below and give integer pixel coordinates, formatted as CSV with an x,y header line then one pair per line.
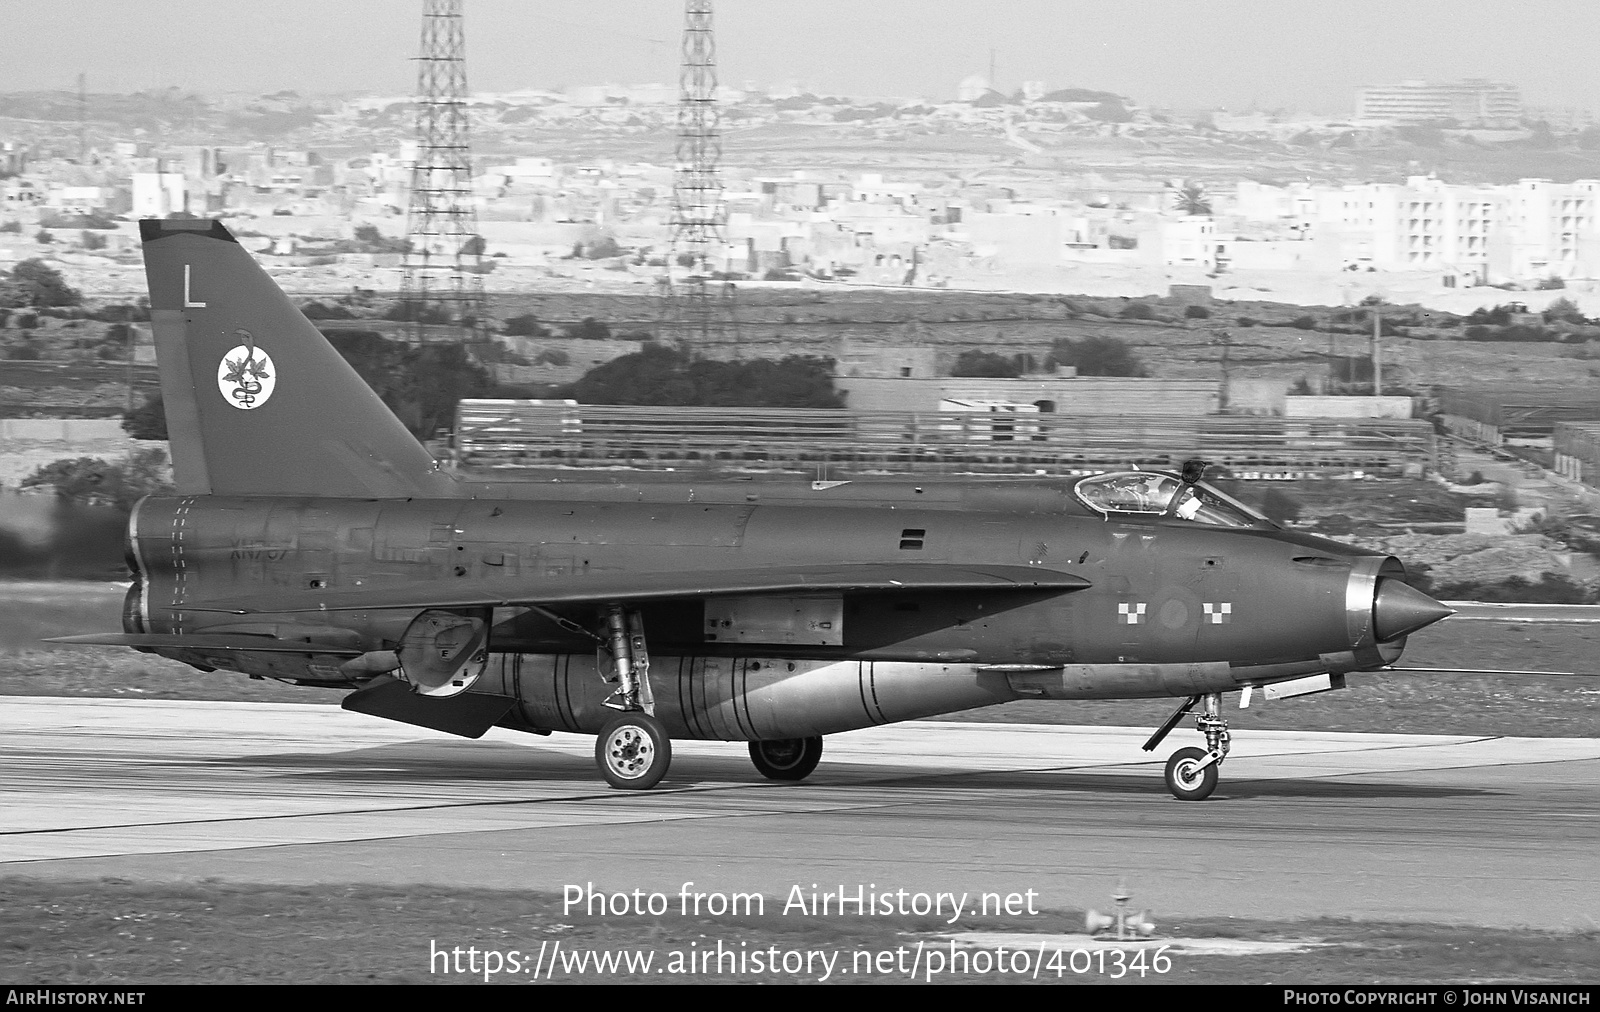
x,y
1450,829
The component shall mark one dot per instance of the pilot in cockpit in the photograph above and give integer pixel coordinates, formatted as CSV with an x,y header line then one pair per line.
x,y
1166,495
1188,504
1148,493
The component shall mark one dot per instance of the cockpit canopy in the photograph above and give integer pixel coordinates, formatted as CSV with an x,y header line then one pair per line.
x,y
1158,494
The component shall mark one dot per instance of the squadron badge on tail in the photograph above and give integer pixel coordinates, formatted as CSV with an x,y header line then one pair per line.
x,y
245,375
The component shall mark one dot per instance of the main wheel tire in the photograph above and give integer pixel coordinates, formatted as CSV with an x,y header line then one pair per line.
x,y
1186,780
633,751
786,758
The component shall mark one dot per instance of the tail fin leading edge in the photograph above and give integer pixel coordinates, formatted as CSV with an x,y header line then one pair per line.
x,y
258,402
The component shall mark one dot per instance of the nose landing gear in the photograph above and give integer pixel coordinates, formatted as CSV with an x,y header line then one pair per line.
x,y
1192,773
1189,776
633,750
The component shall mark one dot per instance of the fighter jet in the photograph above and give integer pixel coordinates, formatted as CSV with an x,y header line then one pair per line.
x,y
313,540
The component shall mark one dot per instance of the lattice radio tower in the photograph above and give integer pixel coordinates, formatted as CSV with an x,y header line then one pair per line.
x,y
699,310
443,280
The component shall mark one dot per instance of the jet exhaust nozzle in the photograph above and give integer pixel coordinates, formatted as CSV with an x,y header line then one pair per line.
x,y
1399,609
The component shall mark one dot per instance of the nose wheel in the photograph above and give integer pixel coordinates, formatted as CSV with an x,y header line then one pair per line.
x,y
1189,776
1192,773
633,751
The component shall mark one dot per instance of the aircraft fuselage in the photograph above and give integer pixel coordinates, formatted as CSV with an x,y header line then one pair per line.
x,y
1159,591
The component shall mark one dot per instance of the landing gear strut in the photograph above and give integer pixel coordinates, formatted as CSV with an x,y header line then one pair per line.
x,y
1192,772
633,750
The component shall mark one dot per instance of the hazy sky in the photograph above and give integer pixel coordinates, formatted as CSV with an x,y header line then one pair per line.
x,y
1307,54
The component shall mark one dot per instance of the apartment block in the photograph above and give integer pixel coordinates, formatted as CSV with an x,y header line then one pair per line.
x,y
1528,231
1472,102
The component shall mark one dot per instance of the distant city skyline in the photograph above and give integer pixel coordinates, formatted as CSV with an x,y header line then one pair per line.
x,y
1234,54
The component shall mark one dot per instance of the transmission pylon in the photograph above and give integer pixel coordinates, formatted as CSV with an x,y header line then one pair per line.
x,y
699,311
443,279
83,119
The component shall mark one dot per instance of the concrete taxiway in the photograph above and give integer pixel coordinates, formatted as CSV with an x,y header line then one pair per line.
x,y
1490,831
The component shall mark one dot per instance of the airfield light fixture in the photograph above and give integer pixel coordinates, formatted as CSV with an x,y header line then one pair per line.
x,y
1128,925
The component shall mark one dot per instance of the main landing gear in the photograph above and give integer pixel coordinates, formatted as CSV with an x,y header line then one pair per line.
x,y
633,750
1192,772
786,758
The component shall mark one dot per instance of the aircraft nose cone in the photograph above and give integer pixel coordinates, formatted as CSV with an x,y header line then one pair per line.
x,y
1400,609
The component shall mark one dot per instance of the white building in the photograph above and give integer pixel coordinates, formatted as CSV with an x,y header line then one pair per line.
x,y
972,88
1525,232
1474,101
1547,230
525,170
871,188
158,194
79,199
1190,241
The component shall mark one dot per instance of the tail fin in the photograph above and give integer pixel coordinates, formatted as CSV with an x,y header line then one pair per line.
x,y
258,402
